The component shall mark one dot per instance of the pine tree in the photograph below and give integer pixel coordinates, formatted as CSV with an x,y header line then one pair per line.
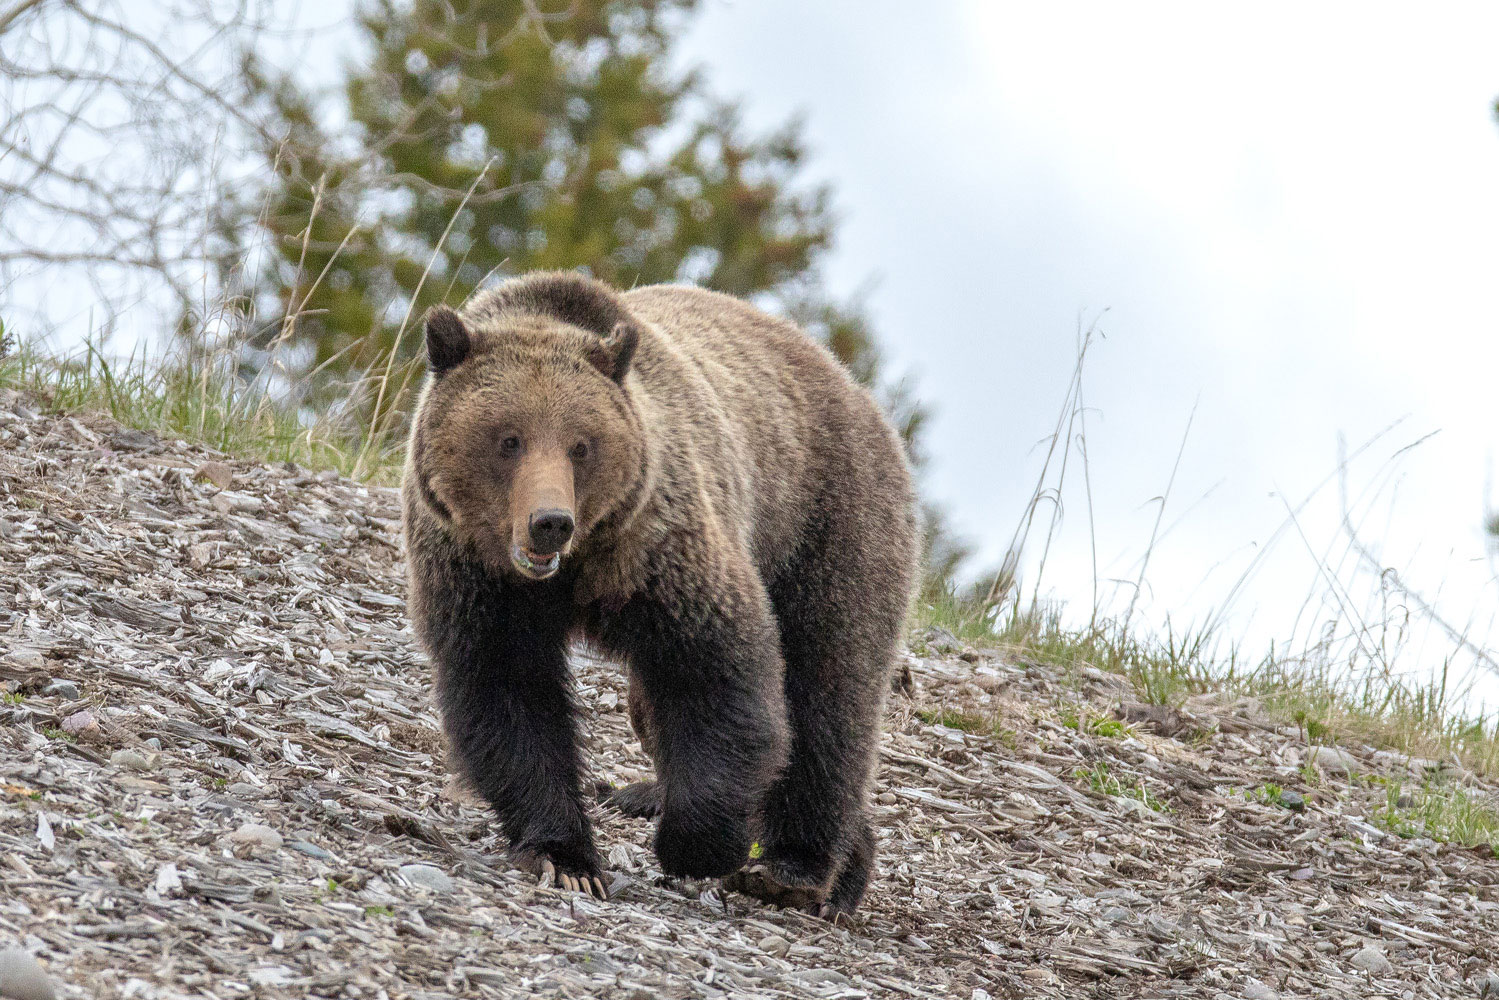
x,y
484,138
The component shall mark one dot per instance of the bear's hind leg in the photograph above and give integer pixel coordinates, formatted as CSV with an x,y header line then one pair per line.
x,y
853,878
840,607
640,799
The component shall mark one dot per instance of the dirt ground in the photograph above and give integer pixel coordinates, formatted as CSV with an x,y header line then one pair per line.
x,y
221,776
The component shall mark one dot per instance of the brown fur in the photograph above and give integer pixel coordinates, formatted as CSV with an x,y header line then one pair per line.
x,y
744,538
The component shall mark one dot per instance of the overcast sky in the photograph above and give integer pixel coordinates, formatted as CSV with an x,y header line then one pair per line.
x,y
1285,216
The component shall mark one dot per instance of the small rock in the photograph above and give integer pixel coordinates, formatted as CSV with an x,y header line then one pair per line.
x,y
60,687
133,760
271,976
774,944
79,723
217,473
1488,986
1256,990
1116,914
28,657
1371,960
1294,801
255,837
130,439
168,879
22,977
427,877
940,640
229,502
1334,761
1040,976
311,850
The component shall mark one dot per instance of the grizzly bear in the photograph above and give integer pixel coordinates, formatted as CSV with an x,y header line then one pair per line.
x,y
702,492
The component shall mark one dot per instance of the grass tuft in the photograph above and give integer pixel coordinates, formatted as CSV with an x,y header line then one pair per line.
x,y
1104,782
198,396
1440,810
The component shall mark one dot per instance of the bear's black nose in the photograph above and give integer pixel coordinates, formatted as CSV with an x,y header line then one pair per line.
x,y
550,530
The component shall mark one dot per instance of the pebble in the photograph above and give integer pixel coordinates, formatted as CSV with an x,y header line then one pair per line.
x,y
1116,914
218,473
230,502
131,759
1488,986
62,688
1371,960
22,978
1334,761
1293,801
1256,990
774,944
80,722
28,657
311,850
255,836
428,877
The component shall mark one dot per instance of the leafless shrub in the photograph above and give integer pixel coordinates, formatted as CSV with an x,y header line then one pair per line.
x,y
120,131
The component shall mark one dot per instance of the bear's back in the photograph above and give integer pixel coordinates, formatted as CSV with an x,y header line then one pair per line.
x,y
775,420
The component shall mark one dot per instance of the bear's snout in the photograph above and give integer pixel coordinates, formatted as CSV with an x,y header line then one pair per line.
x,y
550,530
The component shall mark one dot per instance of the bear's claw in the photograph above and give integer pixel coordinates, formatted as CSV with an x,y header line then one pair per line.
x,y
548,873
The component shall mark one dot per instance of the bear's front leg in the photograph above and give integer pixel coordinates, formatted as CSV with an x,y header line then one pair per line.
x,y
503,688
707,656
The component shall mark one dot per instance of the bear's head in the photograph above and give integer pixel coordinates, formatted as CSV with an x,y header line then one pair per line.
x,y
527,438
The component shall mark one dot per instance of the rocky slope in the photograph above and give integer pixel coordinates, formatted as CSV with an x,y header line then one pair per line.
x,y
220,776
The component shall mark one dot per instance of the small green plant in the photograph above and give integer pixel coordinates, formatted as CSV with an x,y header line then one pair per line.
x,y
1441,810
12,698
1310,773
1102,781
379,911
1268,794
53,733
953,719
1080,720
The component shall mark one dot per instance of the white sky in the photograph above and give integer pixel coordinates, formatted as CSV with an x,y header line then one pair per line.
x,y
1289,212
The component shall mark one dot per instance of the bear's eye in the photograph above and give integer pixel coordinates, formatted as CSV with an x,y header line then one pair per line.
x,y
579,451
510,445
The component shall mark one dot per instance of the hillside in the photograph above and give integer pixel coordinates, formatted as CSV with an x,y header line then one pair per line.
x,y
220,776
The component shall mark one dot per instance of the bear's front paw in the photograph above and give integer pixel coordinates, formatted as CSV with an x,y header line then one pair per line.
x,y
702,844
576,875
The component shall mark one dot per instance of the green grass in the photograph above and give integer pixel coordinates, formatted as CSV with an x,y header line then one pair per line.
x,y
200,397
970,722
1103,781
1440,810
1328,702
953,719
1080,720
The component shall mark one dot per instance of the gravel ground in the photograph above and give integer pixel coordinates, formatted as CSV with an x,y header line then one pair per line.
x,y
220,776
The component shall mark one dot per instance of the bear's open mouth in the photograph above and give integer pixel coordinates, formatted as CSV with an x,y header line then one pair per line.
x,y
535,566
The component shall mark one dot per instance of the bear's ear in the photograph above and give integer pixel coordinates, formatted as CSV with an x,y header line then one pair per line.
x,y
447,340
613,353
